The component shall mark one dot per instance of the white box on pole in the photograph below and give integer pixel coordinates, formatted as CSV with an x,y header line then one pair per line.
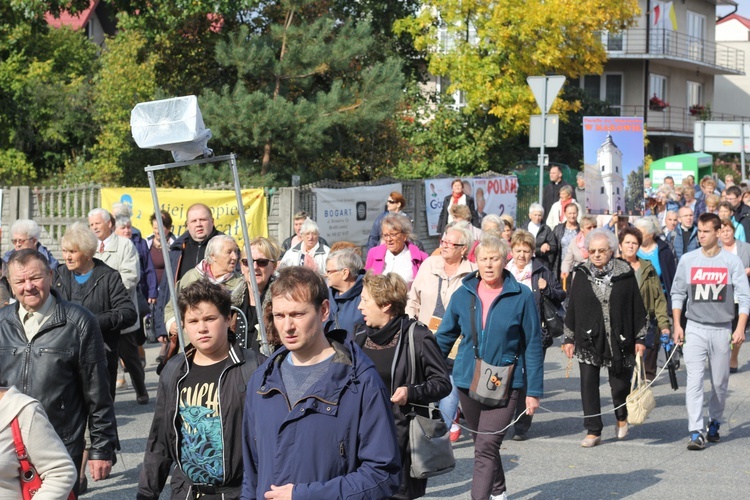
x,y
535,131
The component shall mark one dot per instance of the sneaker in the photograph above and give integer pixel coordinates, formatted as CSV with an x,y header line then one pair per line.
x,y
455,434
501,496
697,442
712,434
520,436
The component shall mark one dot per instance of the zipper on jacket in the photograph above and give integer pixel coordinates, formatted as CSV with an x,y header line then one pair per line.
x,y
221,418
177,412
26,355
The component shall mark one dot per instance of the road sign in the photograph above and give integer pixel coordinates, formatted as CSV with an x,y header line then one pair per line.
x,y
721,137
545,89
550,135
542,160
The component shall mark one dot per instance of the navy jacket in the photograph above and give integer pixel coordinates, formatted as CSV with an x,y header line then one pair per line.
x,y
679,244
513,327
147,285
338,441
344,313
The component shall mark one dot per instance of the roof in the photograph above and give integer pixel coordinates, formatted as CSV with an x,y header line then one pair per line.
x,y
744,20
74,21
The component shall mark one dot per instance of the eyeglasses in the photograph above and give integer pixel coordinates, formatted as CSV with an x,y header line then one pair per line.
x,y
331,271
450,244
595,251
19,241
260,262
392,201
390,236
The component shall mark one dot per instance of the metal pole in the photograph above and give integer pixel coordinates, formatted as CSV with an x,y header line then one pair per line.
x,y
264,347
544,140
167,262
742,149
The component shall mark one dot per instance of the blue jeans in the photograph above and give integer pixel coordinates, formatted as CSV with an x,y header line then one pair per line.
x,y
449,404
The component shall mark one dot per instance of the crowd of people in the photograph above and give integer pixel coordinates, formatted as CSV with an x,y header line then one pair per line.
x,y
361,340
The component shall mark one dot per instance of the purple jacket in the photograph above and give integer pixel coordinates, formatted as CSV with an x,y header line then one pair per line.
x,y
376,258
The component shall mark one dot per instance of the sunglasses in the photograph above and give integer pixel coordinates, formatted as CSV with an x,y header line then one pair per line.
x,y
392,201
260,262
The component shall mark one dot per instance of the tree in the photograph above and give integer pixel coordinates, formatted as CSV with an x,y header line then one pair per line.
x,y
45,87
634,192
488,48
301,74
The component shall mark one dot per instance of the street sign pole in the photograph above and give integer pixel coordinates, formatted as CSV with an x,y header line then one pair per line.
x,y
544,141
742,150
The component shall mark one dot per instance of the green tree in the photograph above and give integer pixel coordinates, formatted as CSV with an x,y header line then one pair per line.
x,y
634,191
45,87
301,74
488,48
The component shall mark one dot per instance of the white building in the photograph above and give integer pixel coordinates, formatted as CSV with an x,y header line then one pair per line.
x,y
605,185
732,92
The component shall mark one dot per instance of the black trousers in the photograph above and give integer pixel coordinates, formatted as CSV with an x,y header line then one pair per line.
x,y
524,423
620,386
128,350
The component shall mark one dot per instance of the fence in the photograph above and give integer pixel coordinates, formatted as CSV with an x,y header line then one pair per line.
x,y
56,208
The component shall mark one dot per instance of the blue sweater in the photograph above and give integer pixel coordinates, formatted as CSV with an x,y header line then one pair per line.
x,y
512,327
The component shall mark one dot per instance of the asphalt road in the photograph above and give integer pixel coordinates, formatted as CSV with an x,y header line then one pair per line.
x,y
652,461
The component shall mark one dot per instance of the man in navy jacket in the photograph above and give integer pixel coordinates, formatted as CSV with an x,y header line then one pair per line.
x,y
318,421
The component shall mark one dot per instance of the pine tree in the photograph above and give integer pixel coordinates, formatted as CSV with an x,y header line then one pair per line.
x,y
301,73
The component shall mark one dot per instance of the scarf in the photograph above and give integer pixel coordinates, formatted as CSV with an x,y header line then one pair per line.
x,y
581,242
387,336
454,199
523,276
204,269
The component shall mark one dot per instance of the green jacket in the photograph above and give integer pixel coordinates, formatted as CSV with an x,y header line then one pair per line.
x,y
653,296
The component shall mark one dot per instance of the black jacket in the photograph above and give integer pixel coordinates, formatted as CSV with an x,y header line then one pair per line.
x,y
552,291
443,220
64,367
668,265
163,445
176,250
104,296
545,235
559,231
432,385
584,321
551,194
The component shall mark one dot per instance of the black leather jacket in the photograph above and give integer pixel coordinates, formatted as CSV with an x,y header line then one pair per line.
x,y
64,367
163,445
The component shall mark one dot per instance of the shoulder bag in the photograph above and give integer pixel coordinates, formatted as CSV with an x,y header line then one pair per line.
x,y
429,439
491,384
641,400
551,319
30,479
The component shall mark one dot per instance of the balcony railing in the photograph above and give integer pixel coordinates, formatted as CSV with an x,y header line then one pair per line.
x,y
673,44
674,119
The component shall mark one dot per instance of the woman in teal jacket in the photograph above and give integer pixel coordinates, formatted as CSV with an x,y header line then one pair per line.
x,y
507,326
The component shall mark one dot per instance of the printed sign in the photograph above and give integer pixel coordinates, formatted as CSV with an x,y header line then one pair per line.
x,y
709,284
348,214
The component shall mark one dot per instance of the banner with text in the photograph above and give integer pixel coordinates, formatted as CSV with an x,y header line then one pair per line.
x,y
348,214
492,195
223,205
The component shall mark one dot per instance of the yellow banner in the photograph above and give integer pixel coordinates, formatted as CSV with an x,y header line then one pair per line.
x,y
223,204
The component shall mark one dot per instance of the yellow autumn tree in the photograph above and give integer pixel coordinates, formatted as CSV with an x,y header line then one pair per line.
x,y
487,48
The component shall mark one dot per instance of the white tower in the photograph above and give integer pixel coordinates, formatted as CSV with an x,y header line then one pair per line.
x,y
609,163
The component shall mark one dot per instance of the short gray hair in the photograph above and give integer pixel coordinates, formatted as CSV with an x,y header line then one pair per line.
x,y
100,212
80,236
215,245
464,229
591,219
646,225
492,219
26,227
309,226
605,234
121,210
122,220
580,175
568,190
347,258
536,207
398,222
490,243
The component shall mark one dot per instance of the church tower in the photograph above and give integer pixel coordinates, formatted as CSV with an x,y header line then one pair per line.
x,y
609,161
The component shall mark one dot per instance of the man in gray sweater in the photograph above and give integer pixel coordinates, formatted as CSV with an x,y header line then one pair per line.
x,y
710,280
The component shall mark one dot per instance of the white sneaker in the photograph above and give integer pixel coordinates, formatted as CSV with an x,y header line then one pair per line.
x,y
502,496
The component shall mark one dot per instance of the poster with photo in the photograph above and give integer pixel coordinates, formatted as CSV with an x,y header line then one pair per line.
x,y
613,164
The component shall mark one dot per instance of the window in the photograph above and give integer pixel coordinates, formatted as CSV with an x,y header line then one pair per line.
x,y
602,191
617,169
602,168
618,190
694,93
459,96
696,34
658,87
613,42
606,87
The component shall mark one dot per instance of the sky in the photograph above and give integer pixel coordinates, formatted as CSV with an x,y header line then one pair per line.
x,y
743,10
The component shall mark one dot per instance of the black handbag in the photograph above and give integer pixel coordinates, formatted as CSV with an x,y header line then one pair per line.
x,y
551,319
429,437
